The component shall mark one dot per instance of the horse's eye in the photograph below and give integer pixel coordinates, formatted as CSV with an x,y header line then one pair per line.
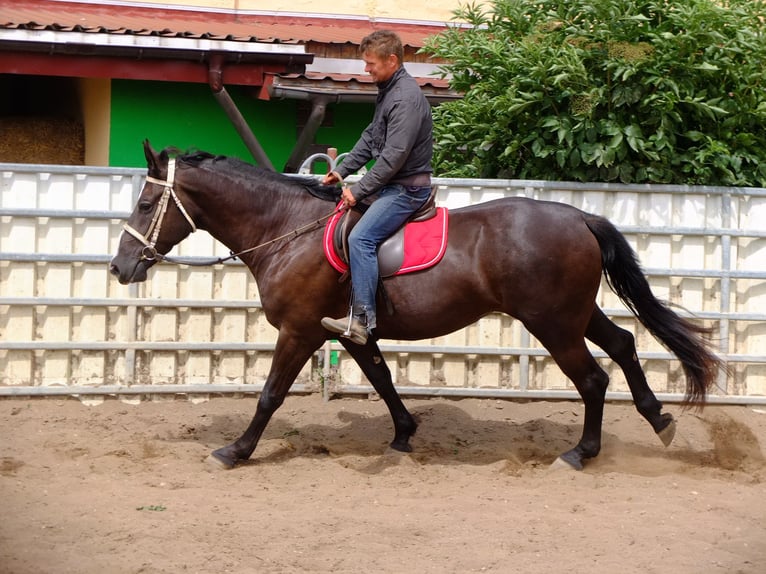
x,y
144,207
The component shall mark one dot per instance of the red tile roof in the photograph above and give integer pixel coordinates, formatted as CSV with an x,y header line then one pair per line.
x,y
59,15
361,82
122,19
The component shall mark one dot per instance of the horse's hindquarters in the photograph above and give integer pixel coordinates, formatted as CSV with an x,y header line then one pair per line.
x,y
531,260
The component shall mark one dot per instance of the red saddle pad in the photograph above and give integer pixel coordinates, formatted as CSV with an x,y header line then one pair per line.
x,y
424,243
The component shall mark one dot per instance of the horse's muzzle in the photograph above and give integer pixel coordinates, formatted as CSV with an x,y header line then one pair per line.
x,y
126,275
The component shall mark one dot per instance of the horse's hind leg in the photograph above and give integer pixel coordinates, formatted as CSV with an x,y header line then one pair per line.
x,y
620,345
591,382
573,358
370,360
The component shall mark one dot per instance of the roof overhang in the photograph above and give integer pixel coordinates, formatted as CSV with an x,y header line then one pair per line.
x,y
335,89
146,46
144,57
341,80
269,51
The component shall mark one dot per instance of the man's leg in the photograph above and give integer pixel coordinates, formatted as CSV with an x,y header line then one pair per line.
x,y
393,205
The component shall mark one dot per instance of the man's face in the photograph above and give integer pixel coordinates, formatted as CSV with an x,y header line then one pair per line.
x,y
381,69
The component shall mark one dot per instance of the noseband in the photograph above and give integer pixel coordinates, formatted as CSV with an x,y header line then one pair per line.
x,y
149,239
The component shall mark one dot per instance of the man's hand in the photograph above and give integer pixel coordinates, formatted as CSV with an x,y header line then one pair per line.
x,y
332,178
348,199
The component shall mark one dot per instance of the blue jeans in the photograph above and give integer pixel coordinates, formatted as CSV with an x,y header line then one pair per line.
x,y
392,206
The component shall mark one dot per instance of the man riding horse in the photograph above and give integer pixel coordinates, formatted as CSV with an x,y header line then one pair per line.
x,y
399,139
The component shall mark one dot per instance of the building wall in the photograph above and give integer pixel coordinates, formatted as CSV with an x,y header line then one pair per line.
x,y
187,116
439,11
113,117
109,119
95,96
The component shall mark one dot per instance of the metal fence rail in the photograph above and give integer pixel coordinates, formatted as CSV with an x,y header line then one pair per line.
x,y
68,328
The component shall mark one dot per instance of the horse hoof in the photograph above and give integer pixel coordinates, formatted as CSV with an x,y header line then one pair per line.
x,y
219,463
401,446
668,433
562,464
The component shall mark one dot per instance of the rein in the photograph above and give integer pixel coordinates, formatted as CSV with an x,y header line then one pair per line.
x,y
289,235
149,252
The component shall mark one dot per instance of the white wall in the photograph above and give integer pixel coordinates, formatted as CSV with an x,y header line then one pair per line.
x,y
66,323
440,11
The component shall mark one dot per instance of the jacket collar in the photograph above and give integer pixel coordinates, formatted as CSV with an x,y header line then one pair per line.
x,y
385,86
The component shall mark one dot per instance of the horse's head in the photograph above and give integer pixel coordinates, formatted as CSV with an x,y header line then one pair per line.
x,y
158,222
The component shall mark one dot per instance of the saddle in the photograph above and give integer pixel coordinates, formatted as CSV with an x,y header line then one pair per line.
x,y
419,244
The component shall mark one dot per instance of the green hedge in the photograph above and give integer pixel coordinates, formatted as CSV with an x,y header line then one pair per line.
x,y
606,90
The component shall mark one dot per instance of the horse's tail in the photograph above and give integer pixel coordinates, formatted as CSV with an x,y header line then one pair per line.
x,y
682,337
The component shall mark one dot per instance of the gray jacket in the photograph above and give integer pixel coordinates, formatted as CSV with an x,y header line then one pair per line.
x,y
399,139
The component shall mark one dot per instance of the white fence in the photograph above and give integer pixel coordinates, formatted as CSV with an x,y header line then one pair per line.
x,y
68,327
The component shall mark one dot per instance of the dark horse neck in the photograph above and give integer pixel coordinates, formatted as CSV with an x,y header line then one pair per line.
x,y
275,205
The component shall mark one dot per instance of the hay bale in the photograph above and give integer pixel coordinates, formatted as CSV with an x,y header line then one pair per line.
x,y
29,139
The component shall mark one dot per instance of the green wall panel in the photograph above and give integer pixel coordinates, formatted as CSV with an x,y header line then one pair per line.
x,y
187,116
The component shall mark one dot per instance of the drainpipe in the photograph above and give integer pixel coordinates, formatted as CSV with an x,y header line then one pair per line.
x,y
318,109
215,79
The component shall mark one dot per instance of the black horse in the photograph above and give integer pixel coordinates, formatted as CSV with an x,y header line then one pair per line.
x,y
540,262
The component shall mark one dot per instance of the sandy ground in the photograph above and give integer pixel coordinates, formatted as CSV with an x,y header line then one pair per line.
x,y
121,488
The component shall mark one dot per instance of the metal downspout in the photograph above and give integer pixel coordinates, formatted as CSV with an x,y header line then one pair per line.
x,y
215,79
316,117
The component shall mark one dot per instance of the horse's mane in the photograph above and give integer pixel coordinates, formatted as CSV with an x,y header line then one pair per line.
x,y
251,172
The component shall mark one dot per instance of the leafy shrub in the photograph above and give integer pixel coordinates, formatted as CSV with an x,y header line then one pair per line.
x,y
652,91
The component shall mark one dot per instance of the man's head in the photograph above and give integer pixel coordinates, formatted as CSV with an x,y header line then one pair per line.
x,y
382,53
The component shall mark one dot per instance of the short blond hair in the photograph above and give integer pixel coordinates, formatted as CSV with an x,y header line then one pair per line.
x,y
383,43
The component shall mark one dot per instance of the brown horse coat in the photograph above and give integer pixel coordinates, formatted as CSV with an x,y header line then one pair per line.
x,y
539,262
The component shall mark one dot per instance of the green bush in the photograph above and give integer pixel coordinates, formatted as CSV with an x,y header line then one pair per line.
x,y
605,90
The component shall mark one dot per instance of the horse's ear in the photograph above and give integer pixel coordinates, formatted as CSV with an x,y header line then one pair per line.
x,y
151,156
153,159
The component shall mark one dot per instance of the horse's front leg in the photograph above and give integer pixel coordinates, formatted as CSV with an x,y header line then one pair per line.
x,y
290,354
370,360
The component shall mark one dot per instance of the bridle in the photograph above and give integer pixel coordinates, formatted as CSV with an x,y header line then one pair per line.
x,y
149,239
